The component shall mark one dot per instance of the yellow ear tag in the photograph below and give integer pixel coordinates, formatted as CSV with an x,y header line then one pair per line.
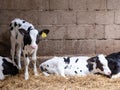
x,y
44,35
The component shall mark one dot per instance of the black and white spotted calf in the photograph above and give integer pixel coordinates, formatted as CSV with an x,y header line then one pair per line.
x,y
7,67
25,38
75,66
114,64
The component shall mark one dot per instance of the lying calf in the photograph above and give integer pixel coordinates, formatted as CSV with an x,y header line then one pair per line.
x,y
114,64
7,67
75,66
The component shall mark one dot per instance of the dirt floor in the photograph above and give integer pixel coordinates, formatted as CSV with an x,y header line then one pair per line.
x,y
90,82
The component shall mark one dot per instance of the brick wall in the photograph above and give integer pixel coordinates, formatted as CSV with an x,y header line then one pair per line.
x,y
76,26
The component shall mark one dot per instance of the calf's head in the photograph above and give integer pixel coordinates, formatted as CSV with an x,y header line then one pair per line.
x,y
31,37
99,65
49,64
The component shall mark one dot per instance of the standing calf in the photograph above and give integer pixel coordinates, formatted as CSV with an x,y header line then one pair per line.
x,y
75,66
25,38
7,67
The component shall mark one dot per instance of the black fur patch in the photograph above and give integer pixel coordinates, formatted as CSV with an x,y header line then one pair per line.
x,y
30,28
90,63
67,60
27,39
94,60
37,39
114,62
76,61
11,28
47,65
19,25
99,65
41,68
26,55
75,72
89,66
80,70
66,67
9,68
24,21
15,24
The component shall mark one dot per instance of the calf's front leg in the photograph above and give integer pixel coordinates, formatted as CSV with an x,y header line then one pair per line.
x,y
34,58
27,61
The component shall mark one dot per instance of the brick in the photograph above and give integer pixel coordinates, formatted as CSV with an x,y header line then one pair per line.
x,y
6,16
85,47
75,32
51,47
96,4
113,4
117,17
59,32
66,17
43,4
56,32
47,18
94,32
80,32
90,32
100,32
3,29
70,47
31,16
116,46
58,4
104,46
77,4
5,5
86,17
112,31
104,17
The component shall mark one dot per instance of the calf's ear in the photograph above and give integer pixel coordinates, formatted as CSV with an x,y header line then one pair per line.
x,y
23,31
43,33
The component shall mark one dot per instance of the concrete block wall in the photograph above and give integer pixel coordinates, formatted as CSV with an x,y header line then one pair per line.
x,y
76,26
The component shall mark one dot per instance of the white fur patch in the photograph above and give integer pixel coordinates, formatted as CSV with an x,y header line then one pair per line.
x,y
104,62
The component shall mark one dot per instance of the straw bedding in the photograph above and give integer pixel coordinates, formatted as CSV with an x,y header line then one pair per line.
x,y
90,82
